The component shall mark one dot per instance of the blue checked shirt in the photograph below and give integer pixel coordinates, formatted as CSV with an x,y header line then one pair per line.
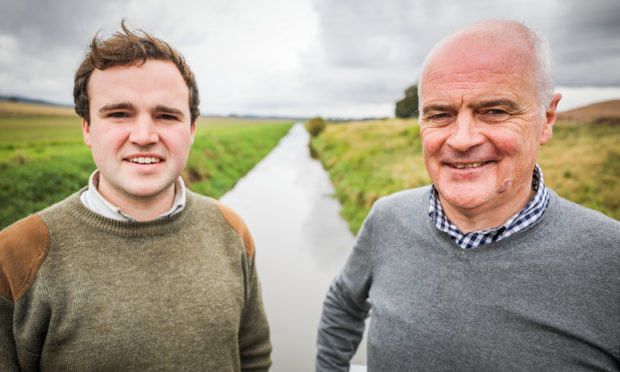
x,y
531,213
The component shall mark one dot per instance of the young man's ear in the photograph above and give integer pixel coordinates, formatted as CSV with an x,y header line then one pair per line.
x,y
86,132
193,130
550,116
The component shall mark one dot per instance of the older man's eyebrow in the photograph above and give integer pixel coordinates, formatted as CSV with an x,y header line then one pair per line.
x,y
169,110
438,107
116,106
509,104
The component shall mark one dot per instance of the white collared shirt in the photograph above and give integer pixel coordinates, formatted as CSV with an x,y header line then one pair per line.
x,y
94,201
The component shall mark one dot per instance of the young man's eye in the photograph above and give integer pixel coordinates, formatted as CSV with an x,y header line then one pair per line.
x,y
167,117
118,114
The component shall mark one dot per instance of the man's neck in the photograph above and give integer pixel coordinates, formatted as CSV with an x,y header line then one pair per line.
x,y
481,218
142,209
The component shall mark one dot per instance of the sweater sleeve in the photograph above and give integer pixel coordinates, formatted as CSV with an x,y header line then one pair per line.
x,y
8,350
23,248
254,344
346,307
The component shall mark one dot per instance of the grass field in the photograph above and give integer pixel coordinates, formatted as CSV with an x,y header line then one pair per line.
x,y
43,157
367,160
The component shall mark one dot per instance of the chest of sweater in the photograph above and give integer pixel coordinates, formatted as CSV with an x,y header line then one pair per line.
x,y
105,301
532,308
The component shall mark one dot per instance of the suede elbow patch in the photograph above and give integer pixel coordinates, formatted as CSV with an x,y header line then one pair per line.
x,y
23,248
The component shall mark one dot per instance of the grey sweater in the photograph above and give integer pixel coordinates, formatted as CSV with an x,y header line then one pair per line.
x,y
547,298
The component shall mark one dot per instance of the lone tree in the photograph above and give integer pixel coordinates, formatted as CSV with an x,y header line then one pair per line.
x,y
315,126
408,106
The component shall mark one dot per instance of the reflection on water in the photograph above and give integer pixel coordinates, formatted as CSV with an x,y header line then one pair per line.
x,y
301,244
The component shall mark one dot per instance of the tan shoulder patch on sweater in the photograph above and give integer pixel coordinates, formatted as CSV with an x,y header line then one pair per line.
x,y
238,225
23,248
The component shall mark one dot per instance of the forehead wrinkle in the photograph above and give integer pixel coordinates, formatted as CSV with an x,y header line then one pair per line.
x,y
480,91
459,81
442,104
477,76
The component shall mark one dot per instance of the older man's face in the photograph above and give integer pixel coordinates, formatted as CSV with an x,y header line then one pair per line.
x,y
481,126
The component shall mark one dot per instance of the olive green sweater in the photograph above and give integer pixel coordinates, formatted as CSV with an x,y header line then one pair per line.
x,y
82,292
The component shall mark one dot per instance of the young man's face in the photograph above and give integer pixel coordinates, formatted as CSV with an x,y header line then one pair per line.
x,y
140,131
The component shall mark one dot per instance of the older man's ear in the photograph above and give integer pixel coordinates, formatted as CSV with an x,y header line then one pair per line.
x,y
550,116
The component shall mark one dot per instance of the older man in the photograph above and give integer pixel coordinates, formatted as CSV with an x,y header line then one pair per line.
x,y
486,269
133,272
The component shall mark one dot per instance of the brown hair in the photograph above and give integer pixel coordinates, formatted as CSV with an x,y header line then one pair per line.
x,y
127,48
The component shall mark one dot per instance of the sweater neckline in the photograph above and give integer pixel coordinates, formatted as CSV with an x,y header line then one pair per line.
x,y
163,226
493,249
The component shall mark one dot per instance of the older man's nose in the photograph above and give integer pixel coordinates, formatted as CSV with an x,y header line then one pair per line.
x,y
464,133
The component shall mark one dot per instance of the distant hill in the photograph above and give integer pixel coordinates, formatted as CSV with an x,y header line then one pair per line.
x,y
12,109
596,113
29,100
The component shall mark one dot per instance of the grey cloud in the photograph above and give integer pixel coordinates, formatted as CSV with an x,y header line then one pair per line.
x,y
49,39
366,52
46,24
397,34
585,38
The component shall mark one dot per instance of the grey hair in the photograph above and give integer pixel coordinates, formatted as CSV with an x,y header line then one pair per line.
x,y
542,57
544,66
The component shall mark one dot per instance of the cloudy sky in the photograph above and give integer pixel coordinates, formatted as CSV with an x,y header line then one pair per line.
x,y
346,58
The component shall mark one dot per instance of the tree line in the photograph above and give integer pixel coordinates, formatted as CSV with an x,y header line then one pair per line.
x,y
408,106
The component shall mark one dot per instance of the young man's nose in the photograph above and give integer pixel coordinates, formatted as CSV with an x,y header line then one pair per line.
x,y
144,131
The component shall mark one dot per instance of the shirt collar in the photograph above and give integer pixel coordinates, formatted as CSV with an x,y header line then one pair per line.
x,y
94,201
526,217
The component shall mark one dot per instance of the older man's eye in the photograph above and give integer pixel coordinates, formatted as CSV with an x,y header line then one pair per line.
x,y
494,115
439,119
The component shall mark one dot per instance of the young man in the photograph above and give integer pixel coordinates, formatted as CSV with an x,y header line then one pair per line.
x,y
134,272
487,269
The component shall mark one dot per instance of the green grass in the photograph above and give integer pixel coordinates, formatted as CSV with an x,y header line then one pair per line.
x,y
368,160
223,153
43,158
582,164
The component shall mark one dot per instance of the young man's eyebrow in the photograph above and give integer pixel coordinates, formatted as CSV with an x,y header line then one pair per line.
x,y
170,110
116,106
130,106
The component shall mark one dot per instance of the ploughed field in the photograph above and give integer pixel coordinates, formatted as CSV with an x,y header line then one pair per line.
x,y
43,157
370,159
